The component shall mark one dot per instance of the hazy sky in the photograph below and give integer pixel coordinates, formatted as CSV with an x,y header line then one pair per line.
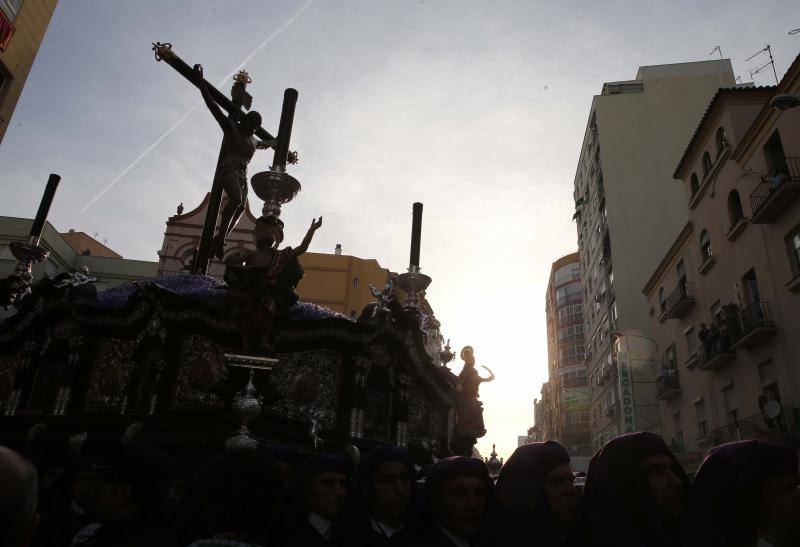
x,y
475,108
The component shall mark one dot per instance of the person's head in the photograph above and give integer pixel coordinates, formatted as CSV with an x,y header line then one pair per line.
x,y
325,479
668,489
459,490
133,480
18,499
242,491
634,476
386,478
741,489
468,355
268,232
538,480
85,487
250,122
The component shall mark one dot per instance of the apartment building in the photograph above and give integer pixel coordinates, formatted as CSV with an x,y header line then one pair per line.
x,y
724,300
628,210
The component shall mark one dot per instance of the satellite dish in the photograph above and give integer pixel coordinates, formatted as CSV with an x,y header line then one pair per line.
x,y
772,409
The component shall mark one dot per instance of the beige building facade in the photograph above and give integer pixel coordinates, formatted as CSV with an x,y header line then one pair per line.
x,y
724,300
23,24
627,213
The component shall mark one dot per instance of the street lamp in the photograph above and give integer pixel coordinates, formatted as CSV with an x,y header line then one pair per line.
x,y
785,101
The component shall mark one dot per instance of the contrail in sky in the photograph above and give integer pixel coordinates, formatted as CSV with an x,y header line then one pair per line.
x,y
147,150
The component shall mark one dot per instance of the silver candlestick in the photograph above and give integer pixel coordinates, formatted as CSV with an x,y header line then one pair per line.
x,y
247,402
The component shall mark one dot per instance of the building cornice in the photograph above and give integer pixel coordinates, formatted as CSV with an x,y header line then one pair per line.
x,y
767,115
669,257
723,97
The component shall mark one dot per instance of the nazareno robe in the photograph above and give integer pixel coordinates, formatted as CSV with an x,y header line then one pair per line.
x,y
722,504
617,505
521,515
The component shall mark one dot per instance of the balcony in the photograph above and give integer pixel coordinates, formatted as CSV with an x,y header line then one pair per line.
x,y
667,384
717,340
716,353
580,381
784,429
757,325
776,191
680,301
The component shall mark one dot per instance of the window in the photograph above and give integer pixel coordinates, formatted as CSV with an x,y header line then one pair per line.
x,y
694,184
769,384
774,155
11,8
700,413
722,140
705,246
568,294
680,271
716,312
793,247
691,341
677,430
670,358
707,165
5,79
735,213
356,282
731,408
570,272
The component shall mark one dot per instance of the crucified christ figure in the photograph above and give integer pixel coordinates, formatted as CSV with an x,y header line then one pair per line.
x,y
238,146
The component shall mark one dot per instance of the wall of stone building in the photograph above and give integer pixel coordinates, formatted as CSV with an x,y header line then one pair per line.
x,y
16,61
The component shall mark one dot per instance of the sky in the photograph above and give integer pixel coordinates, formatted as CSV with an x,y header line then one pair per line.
x,y
475,108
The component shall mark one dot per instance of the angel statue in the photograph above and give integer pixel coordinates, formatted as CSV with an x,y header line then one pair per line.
x,y
384,296
469,409
262,282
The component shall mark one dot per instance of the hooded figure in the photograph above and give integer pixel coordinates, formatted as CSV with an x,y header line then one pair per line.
x,y
745,493
319,493
634,493
458,490
535,491
133,481
384,489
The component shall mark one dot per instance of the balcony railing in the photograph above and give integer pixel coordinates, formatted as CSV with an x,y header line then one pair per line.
x,y
757,325
776,191
680,301
667,384
580,381
786,427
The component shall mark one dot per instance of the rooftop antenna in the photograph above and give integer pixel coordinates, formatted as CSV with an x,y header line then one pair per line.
x,y
717,49
767,49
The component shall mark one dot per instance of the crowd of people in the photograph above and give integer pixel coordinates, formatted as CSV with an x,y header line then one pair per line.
x,y
636,494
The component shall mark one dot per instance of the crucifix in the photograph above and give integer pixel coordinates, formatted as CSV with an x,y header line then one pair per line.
x,y
236,151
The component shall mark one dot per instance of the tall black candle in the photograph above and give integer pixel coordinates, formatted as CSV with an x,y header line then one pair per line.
x,y
44,206
285,129
416,235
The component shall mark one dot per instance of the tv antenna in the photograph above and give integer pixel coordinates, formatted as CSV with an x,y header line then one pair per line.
x,y
768,50
717,49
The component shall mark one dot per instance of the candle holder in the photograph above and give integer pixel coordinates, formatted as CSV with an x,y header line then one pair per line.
x,y
247,403
413,283
27,254
275,187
